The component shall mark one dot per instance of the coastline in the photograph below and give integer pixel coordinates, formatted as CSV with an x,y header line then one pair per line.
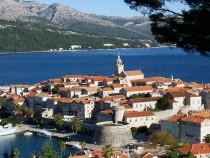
x,y
81,50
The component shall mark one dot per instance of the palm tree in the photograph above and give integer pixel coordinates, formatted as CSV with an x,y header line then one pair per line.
x,y
28,112
16,107
58,119
76,125
82,144
14,153
107,151
62,147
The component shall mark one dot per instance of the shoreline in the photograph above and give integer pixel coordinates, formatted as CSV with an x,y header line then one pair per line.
x,y
82,50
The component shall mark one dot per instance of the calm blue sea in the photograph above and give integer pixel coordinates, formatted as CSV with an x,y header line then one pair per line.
x,y
34,67
27,145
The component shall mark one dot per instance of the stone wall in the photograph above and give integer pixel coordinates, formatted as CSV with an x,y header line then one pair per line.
x,y
115,134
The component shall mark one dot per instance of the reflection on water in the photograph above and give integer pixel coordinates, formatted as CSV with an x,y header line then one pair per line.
x,y
29,144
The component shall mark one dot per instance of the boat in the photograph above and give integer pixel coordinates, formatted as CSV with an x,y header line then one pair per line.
x,y
7,129
28,133
44,133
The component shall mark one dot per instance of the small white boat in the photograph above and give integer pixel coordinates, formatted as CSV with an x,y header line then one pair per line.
x,y
7,129
28,133
44,133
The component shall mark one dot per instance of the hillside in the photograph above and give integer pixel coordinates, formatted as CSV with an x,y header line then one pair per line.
x,y
40,18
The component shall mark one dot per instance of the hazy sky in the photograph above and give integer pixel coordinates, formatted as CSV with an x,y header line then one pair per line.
x,y
101,7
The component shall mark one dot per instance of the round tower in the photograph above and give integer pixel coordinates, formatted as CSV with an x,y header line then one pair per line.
x,y
119,67
118,112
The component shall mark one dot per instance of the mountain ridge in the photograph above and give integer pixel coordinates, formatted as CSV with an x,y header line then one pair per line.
x,y
66,17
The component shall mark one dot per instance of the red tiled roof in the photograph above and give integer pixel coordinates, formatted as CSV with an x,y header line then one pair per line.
x,y
133,73
174,119
151,79
193,119
55,80
200,148
72,76
130,114
32,94
105,112
204,114
149,99
139,88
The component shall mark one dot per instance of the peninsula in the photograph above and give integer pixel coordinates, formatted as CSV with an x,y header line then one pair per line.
x,y
117,109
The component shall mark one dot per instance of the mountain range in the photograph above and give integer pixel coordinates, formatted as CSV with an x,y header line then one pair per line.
x,y
57,16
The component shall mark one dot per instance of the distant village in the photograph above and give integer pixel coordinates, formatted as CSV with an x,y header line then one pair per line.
x,y
127,98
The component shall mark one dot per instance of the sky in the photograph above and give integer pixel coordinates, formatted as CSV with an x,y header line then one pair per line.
x,y
101,7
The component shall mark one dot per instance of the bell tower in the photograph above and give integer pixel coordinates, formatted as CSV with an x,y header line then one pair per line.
x,y
119,67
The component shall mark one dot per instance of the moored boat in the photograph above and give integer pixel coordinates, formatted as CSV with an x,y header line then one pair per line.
x,y
7,129
44,133
28,133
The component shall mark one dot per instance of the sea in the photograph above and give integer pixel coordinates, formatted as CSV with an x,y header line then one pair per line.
x,y
31,68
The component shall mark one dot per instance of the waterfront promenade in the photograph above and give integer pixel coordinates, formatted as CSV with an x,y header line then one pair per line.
x,y
70,138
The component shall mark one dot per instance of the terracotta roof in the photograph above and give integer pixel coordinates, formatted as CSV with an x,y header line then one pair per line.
x,y
193,119
174,119
133,73
105,112
204,114
178,94
77,89
116,85
200,148
98,153
107,89
130,114
149,99
112,97
63,89
109,79
32,94
139,88
151,79
72,76
55,80
20,99
98,78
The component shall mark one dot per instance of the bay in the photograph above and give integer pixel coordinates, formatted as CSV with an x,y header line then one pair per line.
x,y
29,68
27,145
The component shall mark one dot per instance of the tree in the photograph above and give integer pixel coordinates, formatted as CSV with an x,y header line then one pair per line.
x,y
82,144
62,147
47,152
16,107
58,119
2,101
76,125
162,103
107,151
14,153
29,112
164,138
207,138
187,29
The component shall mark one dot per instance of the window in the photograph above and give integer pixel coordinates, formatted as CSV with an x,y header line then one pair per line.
x,y
130,120
136,120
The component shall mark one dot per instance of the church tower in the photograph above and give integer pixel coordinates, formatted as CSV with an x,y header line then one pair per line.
x,y
119,67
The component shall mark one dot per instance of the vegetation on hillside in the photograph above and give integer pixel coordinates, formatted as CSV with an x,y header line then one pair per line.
x,y
23,37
